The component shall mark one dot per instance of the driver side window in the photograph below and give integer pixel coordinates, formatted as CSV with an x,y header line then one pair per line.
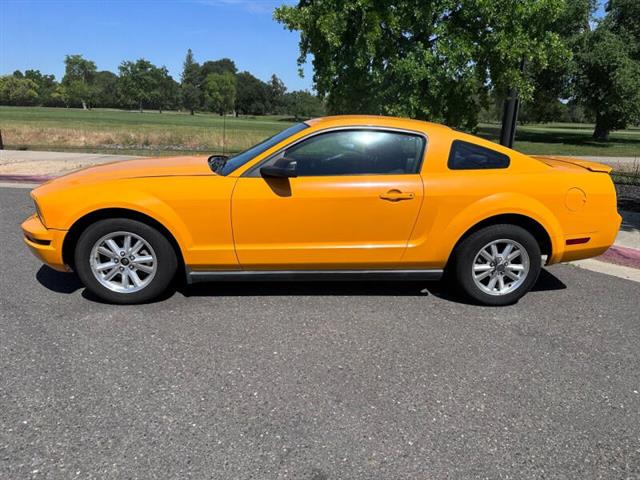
x,y
354,152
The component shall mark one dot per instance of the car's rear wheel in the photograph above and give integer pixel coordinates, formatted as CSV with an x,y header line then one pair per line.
x,y
498,264
124,261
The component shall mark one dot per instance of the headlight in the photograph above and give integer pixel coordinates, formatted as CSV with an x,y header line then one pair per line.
x,y
39,213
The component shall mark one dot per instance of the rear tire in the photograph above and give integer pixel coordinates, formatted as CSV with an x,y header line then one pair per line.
x,y
497,265
124,261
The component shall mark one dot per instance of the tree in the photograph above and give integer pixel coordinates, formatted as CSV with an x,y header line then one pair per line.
x,y
190,86
138,82
46,86
166,93
224,65
220,92
277,90
608,69
302,104
429,59
106,87
17,91
252,96
608,81
78,80
553,82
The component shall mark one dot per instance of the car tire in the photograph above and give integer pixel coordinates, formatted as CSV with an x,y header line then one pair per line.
x,y
124,261
497,265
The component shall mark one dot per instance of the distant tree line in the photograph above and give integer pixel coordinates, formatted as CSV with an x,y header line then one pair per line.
x,y
214,86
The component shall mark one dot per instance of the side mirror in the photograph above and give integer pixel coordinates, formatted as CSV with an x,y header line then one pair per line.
x,y
277,172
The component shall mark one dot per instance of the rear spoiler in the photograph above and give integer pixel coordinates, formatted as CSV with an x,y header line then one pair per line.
x,y
592,166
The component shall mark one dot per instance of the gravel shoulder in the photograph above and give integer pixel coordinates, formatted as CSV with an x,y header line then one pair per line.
x,y
18,162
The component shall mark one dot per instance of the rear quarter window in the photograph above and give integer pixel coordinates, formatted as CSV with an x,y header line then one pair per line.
x,y
469,156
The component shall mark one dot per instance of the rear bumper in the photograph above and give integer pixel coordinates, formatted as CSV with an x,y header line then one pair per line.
x,y
44,243
598,241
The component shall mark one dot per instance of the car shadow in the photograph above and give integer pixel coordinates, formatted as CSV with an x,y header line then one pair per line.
x,y
59,282
67,283
441,289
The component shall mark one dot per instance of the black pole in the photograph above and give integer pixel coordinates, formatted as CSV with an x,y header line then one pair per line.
x,y
1,144
509,118
510,115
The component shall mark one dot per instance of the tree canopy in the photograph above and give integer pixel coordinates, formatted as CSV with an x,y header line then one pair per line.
x,y
77,83
190,86
428,59
220,92
608,68
15,90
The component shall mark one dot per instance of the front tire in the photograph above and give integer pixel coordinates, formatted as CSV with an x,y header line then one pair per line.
x,y
124,261
497,265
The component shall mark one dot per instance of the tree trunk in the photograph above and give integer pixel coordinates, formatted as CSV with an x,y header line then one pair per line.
x,y
601,132
191,110
140,106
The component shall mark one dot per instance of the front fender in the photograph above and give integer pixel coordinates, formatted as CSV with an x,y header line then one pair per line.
x,y
68,206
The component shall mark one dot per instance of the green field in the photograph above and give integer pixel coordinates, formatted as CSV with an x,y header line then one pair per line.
x,y
170,133
116,131
568,139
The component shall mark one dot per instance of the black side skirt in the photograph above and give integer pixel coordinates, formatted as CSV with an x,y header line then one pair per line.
x,y
311,275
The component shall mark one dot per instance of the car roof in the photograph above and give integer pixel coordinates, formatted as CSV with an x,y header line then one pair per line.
x,y
374,120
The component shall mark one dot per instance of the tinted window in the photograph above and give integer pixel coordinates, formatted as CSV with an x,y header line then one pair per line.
x,y
354,152
467,156
241,158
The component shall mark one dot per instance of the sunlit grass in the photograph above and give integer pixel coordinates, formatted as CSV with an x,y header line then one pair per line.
x,y
146,133
152,133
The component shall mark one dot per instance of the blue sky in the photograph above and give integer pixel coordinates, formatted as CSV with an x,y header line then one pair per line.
x,y
39,33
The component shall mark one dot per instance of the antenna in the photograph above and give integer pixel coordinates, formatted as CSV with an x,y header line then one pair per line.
x,y
224,132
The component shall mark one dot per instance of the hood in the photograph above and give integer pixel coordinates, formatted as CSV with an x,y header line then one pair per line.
x,y
145,167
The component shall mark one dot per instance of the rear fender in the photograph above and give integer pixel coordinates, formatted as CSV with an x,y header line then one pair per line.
x,y
506,204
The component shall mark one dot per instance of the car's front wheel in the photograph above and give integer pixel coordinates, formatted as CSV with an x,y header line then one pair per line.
x,y
498,264
124,261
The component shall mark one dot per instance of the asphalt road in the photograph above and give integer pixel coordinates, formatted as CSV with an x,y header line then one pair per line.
x,y
315,381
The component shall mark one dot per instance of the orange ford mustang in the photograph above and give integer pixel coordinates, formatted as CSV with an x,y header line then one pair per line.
x,y
348,197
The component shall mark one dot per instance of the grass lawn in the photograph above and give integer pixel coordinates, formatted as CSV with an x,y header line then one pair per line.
x,y
568,139
171,133
117,131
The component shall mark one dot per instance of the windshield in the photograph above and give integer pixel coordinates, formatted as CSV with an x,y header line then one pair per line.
x,y
240,159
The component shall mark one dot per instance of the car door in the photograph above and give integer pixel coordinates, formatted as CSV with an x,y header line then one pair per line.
x,y
351,204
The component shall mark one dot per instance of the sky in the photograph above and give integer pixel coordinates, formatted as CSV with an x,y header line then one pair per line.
x,y
37,34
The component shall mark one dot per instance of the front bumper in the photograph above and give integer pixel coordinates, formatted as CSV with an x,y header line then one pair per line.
x,y
45,243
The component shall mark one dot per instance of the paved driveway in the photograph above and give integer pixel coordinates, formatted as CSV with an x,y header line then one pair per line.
x,y
315,381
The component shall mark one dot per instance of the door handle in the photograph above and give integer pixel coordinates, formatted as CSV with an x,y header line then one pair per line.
x,y
396,196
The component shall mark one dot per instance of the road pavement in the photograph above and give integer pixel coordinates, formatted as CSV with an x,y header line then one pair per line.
x,y
315,381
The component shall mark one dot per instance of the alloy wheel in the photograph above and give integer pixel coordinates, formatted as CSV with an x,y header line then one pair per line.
x,y
500,267
123,262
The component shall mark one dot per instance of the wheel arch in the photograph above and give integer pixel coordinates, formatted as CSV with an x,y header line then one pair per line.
x,y
72,236
534,227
